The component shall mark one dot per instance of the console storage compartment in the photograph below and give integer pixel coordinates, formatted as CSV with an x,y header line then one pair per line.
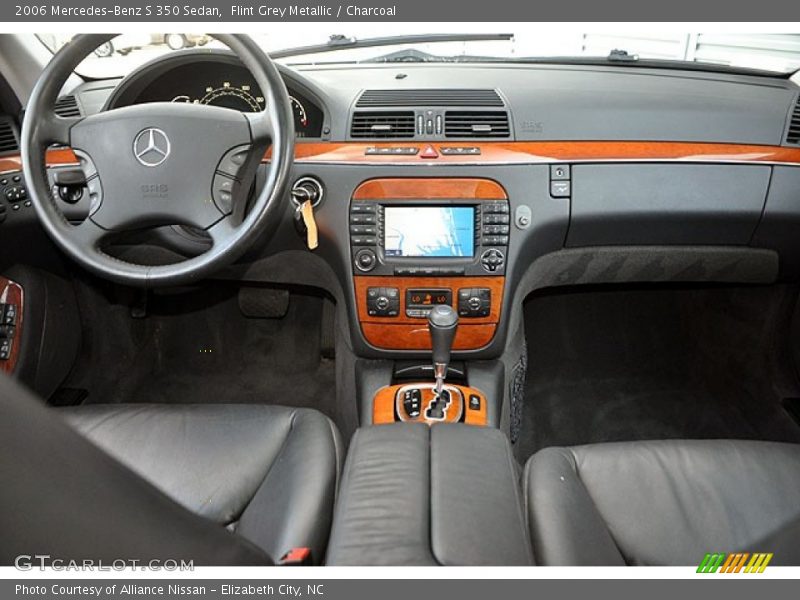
x,y
412,494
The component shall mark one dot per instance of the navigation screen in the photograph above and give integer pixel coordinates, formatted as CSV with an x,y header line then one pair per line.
x,y
429,231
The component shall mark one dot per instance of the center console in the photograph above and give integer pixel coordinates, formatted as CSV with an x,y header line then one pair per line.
x,y
417,495
429,262
418,243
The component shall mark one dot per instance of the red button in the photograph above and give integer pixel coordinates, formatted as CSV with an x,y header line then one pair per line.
x,y
429,152
296,556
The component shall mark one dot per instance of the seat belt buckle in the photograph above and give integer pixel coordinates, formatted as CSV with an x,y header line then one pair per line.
x,y
296,557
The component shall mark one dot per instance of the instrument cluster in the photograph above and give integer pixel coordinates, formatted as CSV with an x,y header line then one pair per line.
x,y
222,84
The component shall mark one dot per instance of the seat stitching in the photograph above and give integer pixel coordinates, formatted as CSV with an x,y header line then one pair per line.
x,y
574,461
337,451
271,466
520,508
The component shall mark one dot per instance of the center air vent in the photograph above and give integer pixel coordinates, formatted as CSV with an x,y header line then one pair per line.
x,y
67,106
476,124
377,125
423,97
793,135
9,140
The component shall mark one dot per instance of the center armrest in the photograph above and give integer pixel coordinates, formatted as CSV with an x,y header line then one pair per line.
x,y
418,495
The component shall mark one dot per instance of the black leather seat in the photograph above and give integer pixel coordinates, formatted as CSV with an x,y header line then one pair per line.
x,y
165,480
663,503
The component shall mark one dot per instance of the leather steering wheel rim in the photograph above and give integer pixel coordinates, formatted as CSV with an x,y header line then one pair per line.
x,y
273,127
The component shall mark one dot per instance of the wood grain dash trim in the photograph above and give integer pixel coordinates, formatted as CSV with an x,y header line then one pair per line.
x,y
411,188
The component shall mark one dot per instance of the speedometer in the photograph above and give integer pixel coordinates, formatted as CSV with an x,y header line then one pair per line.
x,y
230,96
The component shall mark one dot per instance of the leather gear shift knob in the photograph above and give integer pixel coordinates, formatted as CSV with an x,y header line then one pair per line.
x,y
442,324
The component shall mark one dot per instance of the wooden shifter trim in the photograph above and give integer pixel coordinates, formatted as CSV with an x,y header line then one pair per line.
x,y
12,293
383,407
416,337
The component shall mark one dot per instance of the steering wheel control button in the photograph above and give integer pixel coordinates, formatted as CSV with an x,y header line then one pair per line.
x,y
233,160
383,302
365,260
474,302
223,191
492,260
151,147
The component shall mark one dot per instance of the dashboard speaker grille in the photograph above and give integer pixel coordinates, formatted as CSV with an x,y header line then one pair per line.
x,y
793,135
67,106
433,97
383,125
476,124
9,140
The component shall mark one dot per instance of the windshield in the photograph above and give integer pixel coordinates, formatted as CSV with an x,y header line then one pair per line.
x,y
779,53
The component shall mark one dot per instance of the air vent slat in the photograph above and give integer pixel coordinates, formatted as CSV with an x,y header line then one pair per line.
x,y
67,106
9,140
383,125
793,134
428,97
476,124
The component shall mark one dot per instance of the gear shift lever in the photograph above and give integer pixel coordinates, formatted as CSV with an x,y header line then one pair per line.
x,y
442,324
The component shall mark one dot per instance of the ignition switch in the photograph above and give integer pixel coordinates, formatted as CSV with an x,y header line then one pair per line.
x,y
306,195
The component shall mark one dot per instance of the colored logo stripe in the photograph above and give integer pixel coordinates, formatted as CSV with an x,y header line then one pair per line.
x,y
758,563
711,563
734,563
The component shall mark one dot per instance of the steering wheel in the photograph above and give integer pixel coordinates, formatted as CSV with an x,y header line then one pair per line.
x,y
162,163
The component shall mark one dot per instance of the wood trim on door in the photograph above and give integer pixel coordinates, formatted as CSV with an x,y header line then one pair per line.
x,y
12,293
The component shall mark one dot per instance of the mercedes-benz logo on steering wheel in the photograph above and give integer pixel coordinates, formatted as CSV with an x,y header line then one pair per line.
x,y
151,147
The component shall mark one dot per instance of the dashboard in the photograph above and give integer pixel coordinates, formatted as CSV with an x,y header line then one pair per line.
x,y
475,184
214,79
